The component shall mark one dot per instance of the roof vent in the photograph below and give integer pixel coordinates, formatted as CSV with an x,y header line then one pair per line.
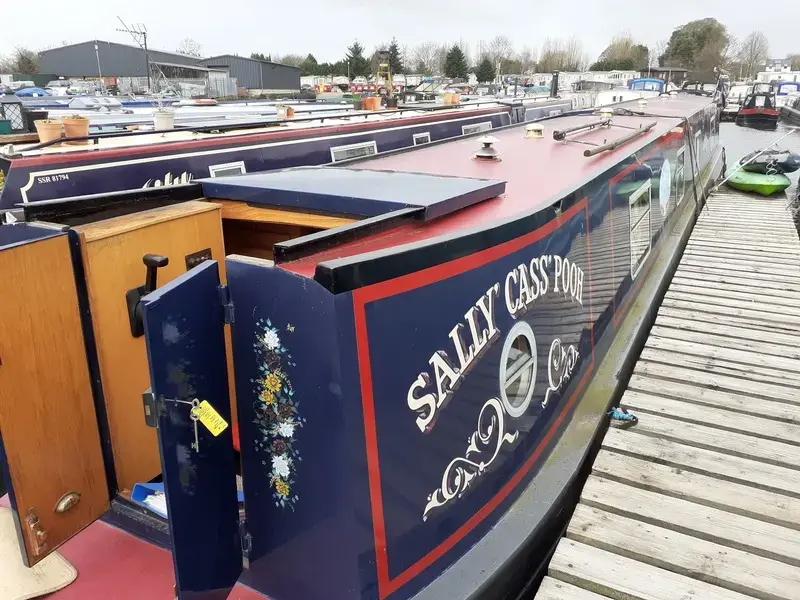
x,y
487,151
534,131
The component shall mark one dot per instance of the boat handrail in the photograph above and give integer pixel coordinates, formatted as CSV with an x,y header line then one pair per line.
x,y
561,134
248,124
620,141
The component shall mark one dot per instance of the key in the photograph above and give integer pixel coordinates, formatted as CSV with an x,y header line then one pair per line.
x,y
194,418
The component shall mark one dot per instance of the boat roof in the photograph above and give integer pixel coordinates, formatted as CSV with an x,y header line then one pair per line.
x,y
100,143
553,169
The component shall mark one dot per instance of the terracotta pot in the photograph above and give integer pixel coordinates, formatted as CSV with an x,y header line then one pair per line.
x,y
48,130
75,128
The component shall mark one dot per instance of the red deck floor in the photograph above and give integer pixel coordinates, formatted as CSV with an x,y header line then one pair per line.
x,y
114,565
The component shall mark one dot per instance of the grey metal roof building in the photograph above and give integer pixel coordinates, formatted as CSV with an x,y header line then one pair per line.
x,y
254,74
116,60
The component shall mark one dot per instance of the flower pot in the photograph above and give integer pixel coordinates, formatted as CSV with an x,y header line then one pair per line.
x,y
75,128
48,130
164,119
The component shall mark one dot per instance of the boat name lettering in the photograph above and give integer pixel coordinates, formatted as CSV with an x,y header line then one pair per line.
x,y
469,340
52,178
560,365
527,283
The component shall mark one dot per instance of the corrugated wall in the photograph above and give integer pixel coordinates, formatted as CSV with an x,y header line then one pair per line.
x,y
255,74
116,60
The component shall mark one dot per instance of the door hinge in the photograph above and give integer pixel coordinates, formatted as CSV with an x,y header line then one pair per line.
x,y
247,543
227,303
153,408
37,535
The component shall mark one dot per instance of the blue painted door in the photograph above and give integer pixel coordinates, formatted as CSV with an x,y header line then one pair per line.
x,y
184,332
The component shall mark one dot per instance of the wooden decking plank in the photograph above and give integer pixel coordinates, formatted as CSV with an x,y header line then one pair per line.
x,y
726,320
715,417
718,366
730,401
769,293
707,523
789,322
730,496
759,474
709,350
734,292
716,381
621,578
712,563
722,441
553,589
707,296
743,267
710,274
776,344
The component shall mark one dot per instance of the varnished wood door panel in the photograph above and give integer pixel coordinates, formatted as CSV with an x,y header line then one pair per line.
x,y
47,416
112,251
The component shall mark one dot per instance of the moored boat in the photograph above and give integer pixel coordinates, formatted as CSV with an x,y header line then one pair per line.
x,y
771,161
760,183
114,162
417,352
758,109
790,111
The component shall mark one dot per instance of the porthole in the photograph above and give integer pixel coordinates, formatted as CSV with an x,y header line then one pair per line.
x,y
518,369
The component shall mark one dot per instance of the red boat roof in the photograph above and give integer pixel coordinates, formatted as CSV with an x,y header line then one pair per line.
x,y
537,172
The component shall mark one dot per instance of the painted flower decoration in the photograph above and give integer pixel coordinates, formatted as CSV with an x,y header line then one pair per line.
x,y
280,466
276,412
271,339
286,429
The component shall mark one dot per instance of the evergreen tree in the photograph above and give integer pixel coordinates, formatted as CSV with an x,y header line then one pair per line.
x,y
455,63
485,71
310,66
395,60
359,65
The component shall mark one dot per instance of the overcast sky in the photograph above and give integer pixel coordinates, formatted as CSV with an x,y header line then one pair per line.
x,y
325,27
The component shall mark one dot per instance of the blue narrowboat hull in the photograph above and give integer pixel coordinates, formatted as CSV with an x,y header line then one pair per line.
x,y
88,173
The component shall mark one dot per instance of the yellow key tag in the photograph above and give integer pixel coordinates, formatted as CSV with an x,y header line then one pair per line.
x,y
209,417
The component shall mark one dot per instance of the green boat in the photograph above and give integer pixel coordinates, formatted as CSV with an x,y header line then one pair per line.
x,y
766,185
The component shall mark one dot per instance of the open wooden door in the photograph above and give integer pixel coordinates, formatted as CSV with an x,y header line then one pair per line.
x,y
49,439
184,332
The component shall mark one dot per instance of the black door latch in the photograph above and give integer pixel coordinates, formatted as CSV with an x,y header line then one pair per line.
x,y
134,297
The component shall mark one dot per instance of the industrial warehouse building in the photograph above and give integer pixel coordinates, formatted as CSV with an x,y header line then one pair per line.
x,y
254,74
127,65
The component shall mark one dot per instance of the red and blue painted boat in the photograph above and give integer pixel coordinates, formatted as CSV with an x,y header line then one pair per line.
x,y
759,109
111,162
423,348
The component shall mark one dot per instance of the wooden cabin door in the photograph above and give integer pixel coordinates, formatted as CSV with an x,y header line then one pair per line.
x,y
49,440
184,332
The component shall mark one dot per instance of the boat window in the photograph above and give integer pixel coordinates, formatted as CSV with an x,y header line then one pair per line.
x,y
484,126
680,182
518,369
639,203
422,138
339,153
233,168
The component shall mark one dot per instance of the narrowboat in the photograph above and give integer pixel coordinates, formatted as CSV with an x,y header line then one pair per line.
x,y
372,380
790,111
112,162
784,91
758,109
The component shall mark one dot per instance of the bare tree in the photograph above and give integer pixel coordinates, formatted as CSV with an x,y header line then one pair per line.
x,y
405,56
753,53
562,55
21,60
794,61
293,60
500,50
425,57
190,47
656,51
527,59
